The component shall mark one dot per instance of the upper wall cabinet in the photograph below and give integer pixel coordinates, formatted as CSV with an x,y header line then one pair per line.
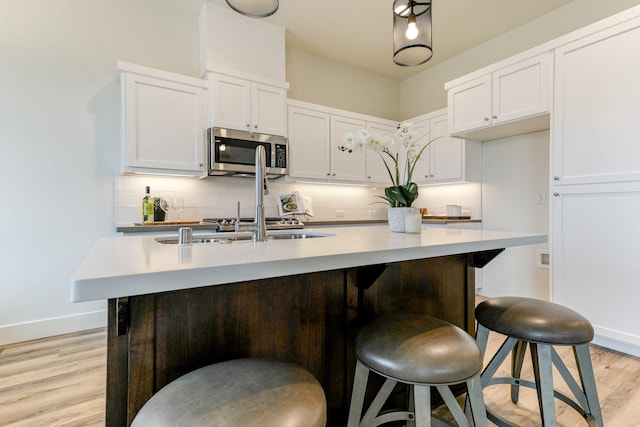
x,y
163,119
446,159
243,104
315,135
309,144
596,108
510,100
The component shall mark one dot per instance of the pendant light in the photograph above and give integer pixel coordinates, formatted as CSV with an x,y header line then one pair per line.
x,y
254,8
411,32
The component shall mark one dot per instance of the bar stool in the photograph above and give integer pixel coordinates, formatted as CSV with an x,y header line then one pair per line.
x,y
423,352
540,325
238,393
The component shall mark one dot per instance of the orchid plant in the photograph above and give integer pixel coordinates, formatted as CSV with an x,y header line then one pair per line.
x,y
403,191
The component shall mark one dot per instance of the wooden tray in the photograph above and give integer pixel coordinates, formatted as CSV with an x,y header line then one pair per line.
x,y
169,223
446,217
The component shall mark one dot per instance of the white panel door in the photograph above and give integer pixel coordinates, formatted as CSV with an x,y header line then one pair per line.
x,y
376,172
163,125
309,143
469,105
522,90
597,107
346,166
268,109
595,252
231,102
446,157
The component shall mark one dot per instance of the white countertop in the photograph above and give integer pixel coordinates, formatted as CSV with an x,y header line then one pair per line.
x,y
126,266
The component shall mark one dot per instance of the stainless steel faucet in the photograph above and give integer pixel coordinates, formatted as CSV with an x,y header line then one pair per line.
x,y
262,188
259,225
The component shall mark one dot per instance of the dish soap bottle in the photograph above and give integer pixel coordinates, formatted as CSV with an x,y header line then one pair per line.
x,y
147,206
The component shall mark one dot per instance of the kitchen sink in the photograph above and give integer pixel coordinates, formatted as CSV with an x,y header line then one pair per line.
x,y
227,238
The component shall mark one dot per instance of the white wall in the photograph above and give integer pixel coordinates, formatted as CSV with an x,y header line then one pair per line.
x,y
515,172
59,135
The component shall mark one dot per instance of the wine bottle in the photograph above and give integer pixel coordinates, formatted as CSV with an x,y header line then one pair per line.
x,y
147,206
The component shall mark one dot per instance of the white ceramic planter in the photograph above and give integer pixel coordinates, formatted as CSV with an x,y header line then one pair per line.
x,y
395,217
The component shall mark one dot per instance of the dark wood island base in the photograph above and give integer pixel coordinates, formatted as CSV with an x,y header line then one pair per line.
x,y
308,319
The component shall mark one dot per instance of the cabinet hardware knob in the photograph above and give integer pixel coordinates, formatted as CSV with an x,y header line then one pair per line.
x,y
256,126
556,194
495,117
486,119
556,178
333,174
248,125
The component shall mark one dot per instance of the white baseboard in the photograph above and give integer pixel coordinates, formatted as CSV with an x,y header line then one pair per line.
x,y
27,331
616,340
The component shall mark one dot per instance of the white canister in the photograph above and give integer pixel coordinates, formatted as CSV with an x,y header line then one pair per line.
x,y
413,223
454,210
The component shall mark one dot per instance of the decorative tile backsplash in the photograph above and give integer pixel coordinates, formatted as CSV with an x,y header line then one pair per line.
x,y
217,197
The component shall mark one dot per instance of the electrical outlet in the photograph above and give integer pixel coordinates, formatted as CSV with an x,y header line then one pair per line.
x,y
373,213
541,198
339,213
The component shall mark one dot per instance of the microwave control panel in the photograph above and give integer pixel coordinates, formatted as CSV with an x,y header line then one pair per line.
x,y
281,156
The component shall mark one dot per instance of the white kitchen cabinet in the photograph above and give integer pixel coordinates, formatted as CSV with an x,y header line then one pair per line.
x,y
242,104
163,119
595,249
595,168
309,144
316,132
345,166
596,108
510,100
376,172
446,159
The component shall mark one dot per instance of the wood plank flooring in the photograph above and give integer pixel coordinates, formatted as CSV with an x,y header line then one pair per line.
x,y
60,381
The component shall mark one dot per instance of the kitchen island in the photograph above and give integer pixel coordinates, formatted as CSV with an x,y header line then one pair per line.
x,y
173,309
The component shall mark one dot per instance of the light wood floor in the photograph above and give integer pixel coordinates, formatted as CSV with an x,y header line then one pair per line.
x,y
60,381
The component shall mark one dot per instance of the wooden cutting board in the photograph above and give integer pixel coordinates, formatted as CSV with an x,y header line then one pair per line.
x,y
446,217
170,223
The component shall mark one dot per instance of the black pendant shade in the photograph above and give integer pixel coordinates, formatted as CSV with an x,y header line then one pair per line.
x,y
411,32
254,8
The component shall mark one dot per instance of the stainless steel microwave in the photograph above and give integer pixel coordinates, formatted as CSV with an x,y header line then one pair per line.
x,y
232,152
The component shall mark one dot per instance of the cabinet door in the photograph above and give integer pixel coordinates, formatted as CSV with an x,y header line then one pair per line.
x,y
422,170
595,259
309,143
446,160
596,103
163,125
268,109
346,166
469,105
231,102
522,90
376,171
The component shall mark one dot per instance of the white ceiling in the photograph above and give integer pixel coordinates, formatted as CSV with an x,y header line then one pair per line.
x,y
359,32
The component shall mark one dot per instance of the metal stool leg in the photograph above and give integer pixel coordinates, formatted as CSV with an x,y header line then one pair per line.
x,y
517,359
585,368
357,395
543,373
422,402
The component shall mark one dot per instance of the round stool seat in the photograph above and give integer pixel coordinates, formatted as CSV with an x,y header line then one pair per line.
x,y
242,392
418,349
534,320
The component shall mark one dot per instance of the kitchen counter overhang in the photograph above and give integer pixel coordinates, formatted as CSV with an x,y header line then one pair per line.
x,y
126,266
